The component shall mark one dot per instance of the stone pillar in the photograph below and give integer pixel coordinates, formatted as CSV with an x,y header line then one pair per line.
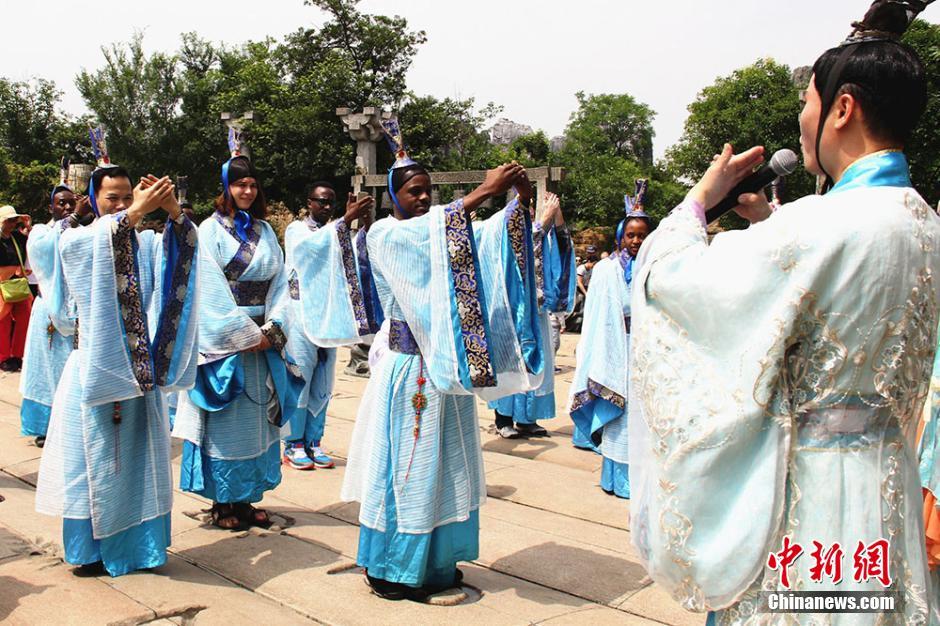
x,y
237,122
365,128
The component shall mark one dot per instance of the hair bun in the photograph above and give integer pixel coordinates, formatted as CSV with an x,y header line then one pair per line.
x,y
886,16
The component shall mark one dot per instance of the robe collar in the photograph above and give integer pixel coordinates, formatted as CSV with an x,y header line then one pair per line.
x,y
887,168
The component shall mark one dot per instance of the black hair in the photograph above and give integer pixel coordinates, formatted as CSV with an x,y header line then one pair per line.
x,y
108,172
402,175
319,183
887,80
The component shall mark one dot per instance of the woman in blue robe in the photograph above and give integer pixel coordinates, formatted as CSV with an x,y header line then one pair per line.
x,y
106,464
599,392
231,419
460,320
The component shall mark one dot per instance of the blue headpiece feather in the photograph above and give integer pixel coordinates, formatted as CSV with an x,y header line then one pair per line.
x,y
397,144
633,208
100,148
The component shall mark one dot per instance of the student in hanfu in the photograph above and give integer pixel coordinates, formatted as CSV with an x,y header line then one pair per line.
x,y
48,346
231,419
599,395
779,372
556,279
333,304
461,321
106,464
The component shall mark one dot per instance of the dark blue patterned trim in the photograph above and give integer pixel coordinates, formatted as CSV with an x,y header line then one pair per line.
x,y
246,249
467,291
293,285
352,280
369,296
250,292
564,250
538,239
174,294
594,392
124,243
515,225
400,338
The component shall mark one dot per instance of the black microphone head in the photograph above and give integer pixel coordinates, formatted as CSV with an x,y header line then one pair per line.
x,y
783,162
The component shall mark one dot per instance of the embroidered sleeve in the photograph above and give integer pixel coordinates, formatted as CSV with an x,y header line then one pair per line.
x,y
123,241
468,294
349,269
272,330
179,248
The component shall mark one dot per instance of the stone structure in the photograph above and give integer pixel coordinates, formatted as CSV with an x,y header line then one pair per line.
x,y
505,131
238,122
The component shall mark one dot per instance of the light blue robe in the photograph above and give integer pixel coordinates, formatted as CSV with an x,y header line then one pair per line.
x,y
330,306
106,465
599,391
929,454
778,379
462,314
47,346
231,419
556,282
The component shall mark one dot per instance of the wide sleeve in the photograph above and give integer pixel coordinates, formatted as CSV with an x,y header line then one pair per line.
x,y
598,392
223,328
559,277
711,327
430,268
174,305
46,262
329,289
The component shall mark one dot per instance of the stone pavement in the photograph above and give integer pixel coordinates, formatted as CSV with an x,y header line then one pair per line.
x,y
554,549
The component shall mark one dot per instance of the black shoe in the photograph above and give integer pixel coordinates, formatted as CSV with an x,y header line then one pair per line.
x,y
388,590
7,366
16,364
40,441
90,570
430,590
531,430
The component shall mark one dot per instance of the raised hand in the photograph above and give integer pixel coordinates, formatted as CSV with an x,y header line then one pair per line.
x,y
551,210
149,199
358,208
726,171
172,205
500,179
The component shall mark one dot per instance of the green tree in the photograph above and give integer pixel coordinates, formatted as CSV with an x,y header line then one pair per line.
x,y
924,148
755,105
136,97
609,144
447,134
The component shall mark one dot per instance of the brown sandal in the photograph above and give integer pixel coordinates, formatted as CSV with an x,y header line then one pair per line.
x,y
251,516
224,516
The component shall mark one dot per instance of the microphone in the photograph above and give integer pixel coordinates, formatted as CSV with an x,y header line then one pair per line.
x,y
782,163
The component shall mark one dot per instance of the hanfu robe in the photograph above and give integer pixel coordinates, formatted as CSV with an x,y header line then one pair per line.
x,y
599,391
48,345
332,304
106,463
230,421
779,374
461,318
556,284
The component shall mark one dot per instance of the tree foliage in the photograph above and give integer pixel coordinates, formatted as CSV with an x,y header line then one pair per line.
x,y
923,150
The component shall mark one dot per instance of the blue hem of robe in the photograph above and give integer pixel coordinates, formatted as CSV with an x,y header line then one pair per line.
x,y
34,418
581,440
416,560
139,547
615,478
526,408
230,481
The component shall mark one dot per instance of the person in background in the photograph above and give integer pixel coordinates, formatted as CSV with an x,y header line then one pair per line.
x,y
14,316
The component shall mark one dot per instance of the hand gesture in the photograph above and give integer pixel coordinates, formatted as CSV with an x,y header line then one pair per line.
x,y
83,209
358,208
261,346
500,179
149,199
753,207
172,205
551,209
726,171
523,185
